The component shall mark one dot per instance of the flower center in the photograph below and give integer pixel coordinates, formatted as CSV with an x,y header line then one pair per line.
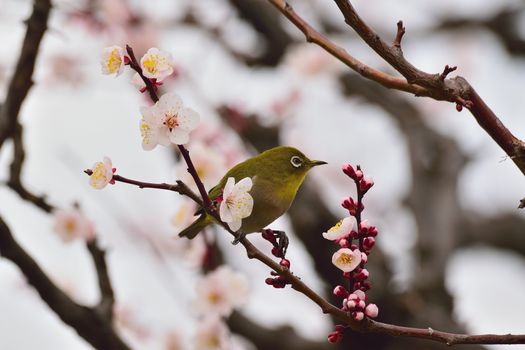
x,y
345,259
150,63
336,227
171,121
70,226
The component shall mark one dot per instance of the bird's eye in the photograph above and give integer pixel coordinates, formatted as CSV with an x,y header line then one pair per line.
x,y
296,161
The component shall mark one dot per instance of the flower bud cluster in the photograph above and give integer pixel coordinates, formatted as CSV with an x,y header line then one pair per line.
x,y
279,251
356,239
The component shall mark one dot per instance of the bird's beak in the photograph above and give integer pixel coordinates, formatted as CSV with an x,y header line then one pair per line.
x,y
318,162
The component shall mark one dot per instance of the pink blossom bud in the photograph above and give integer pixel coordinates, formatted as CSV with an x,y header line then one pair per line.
x,y
360,294
362,275
339,328
358,315
269,281
351,304
335,337
269,236
340,291
346,275
353,296
372,231
344,243
365,184
368,243
354,234
358,175
364,258
276,252
357,286
367,285
354,246
372,310
285,263
361,304
459,107
349,170
364,227
345,203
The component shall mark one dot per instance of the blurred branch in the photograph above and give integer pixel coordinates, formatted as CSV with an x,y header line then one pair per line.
x,y
107,297
436,86
96,329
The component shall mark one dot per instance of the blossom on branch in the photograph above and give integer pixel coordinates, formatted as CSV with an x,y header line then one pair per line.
x,y
102,174
112,60
346,259
167,121
237,203
71,224
340,230
156,64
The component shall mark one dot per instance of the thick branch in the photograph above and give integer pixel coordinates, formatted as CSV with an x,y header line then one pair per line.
x,y
107,297
96,330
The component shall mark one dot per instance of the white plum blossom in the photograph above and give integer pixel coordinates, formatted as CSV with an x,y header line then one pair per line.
x,y
102,174
112,60
220,291
341,229
346,259
71,224
167,121
156,64
237,203
212,334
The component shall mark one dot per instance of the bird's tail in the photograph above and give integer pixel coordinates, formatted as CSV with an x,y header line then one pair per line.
x,y
197,226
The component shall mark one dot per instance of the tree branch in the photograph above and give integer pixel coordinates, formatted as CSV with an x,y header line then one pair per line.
x,y
456,90
89,324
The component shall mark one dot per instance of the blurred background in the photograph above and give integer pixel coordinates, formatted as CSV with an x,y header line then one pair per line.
x,y
451,246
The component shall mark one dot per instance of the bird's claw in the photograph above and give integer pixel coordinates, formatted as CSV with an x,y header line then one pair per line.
x,y
238,238
283,241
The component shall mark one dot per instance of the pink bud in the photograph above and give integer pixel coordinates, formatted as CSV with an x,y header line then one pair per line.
x,y
346,275
269,281
353,296
339,328
276,252
368,243
358,175
364,227
126,60
354,234
360,294
351,304
335,337
345,203
365,184
364,258
354,246
358,315
372,310
362,275
340,291
367,285
285,263
459,107
372,231
349,170
344,243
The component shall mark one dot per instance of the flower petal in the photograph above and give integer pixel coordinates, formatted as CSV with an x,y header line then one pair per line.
x,y
149,135
169,103
179,136
225,212
230,183
235,225
244,185
188,119
244,205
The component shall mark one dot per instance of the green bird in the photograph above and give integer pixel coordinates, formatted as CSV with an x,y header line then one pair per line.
x,y
276,175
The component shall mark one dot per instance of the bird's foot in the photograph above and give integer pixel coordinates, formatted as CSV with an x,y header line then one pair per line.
x,y
238,238
283,242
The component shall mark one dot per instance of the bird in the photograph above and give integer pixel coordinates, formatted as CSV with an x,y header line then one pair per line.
x,y
276,175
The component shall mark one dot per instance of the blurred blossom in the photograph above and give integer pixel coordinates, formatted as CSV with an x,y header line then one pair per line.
x,y
112,60
174,341
309,60
137,81
125,318
102,174
212,334
116,12
166,122
64,69
220,291
210,166
71,224
236,203
156,64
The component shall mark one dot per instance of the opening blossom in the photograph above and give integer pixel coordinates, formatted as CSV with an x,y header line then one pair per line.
x,y
156,64
167,121
346,259
212,334
71,224
339,230
237,203
112,60
220,291
102,174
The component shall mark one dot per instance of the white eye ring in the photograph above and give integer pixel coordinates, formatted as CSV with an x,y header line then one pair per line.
x,y
296,161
